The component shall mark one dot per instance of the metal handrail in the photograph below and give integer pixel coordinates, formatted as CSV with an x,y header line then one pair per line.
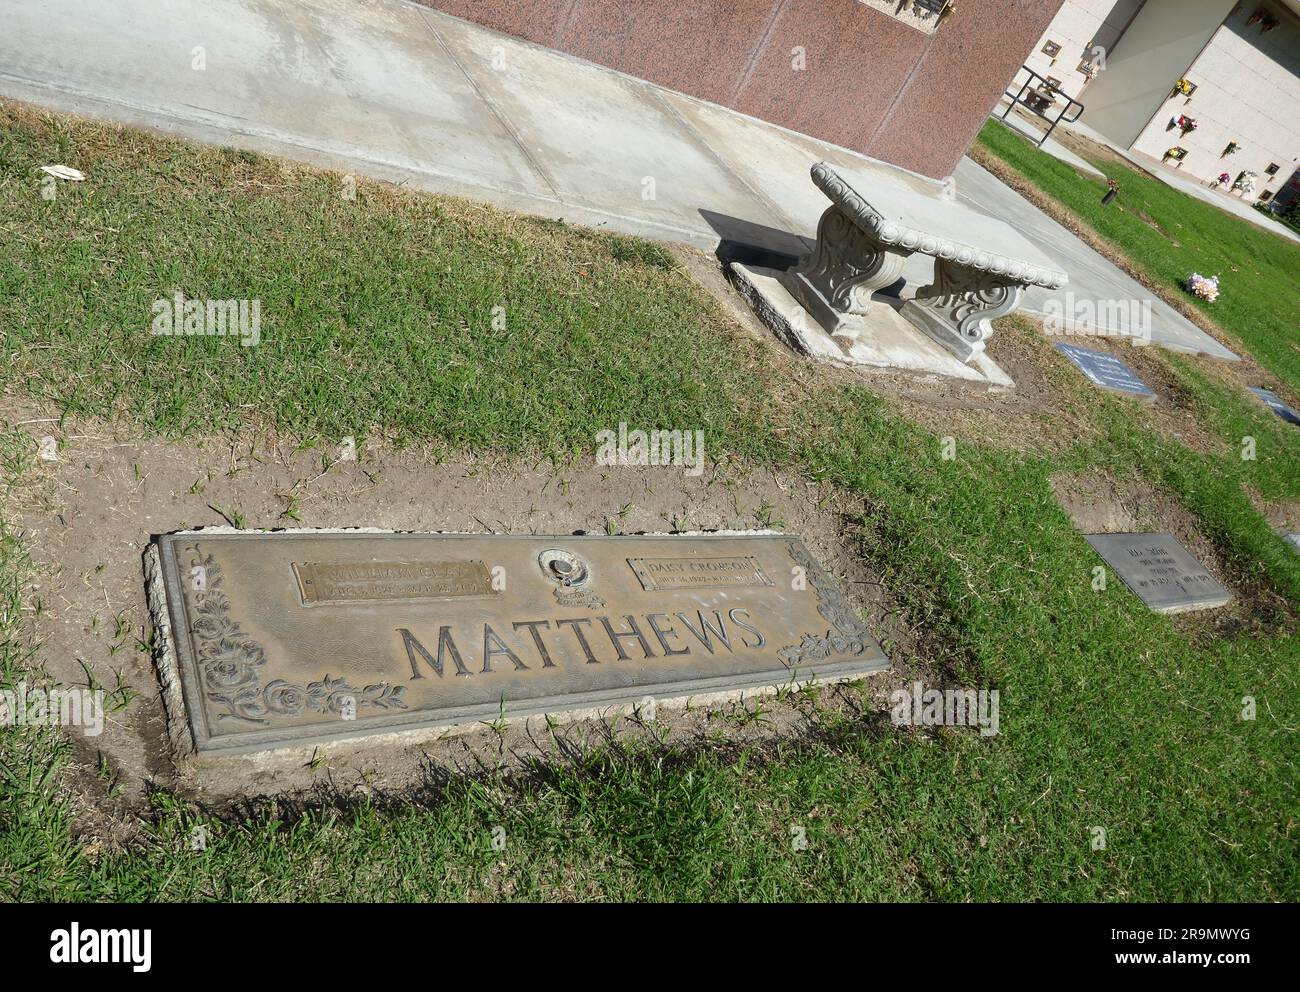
x,y
1019,98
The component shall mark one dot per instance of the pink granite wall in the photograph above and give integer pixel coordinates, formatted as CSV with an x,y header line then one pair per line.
x,y
872,83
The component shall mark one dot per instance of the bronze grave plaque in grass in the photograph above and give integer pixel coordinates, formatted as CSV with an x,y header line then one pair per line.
x,y
292,638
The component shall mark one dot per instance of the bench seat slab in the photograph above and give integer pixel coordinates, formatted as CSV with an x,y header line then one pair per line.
x,y
862,248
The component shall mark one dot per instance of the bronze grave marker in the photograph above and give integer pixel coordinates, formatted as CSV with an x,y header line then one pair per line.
x,y
293,638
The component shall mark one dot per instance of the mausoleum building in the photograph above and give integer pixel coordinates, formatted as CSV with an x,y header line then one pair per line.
x,y
1210,87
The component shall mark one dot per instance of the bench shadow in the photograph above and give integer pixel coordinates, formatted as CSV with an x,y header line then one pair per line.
x,y
757,245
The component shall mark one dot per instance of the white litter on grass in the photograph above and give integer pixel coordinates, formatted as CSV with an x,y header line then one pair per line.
x,y
63,172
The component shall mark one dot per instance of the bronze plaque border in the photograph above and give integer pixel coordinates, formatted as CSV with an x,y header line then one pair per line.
x,y
808,659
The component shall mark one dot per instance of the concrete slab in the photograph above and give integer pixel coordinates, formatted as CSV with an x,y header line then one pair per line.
x,y
361,82
776,163
602,139
888,340
767,158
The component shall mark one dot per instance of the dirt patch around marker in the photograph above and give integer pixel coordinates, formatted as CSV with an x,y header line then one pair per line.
x,y
1101,503
1172,412
88,518
1283,516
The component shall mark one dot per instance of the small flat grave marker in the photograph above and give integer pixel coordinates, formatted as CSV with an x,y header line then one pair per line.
x,y
1276,405
283,639
1106,371
1160,571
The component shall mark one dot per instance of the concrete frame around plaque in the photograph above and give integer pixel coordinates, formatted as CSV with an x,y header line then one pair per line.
x,y
982,265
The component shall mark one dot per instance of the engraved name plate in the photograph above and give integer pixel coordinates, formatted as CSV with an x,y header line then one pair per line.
x,y
698,573
284,639
1160,571
362,582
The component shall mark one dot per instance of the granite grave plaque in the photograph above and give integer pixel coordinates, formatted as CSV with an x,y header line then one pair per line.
x,y
1160,571
1106,371
292,638
1276,405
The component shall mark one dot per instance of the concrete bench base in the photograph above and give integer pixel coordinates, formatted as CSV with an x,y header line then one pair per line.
x,y
835,281
881,337
957,309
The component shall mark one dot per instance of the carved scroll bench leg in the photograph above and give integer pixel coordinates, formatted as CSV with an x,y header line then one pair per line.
x,y
835,281
957,308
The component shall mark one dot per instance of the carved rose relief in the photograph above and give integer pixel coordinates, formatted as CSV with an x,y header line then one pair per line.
x,y
230,664
850,634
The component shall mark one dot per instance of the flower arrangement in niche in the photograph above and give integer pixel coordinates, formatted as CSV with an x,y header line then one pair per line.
x,y
1245,182
1176,154
1233,147
1183,87
1262,16
1207,289
1186,124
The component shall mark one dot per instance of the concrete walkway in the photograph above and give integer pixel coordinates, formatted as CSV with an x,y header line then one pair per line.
x,y
1034,131
395,91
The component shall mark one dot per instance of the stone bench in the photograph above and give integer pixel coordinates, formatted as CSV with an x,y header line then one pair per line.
x,y
982,264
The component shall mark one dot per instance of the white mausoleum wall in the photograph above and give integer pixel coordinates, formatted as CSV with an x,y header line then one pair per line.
x,y
1154,52
1079,28
1247,90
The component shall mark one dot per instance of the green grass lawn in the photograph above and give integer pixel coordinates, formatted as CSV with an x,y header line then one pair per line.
x,y
378,321
1170,235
